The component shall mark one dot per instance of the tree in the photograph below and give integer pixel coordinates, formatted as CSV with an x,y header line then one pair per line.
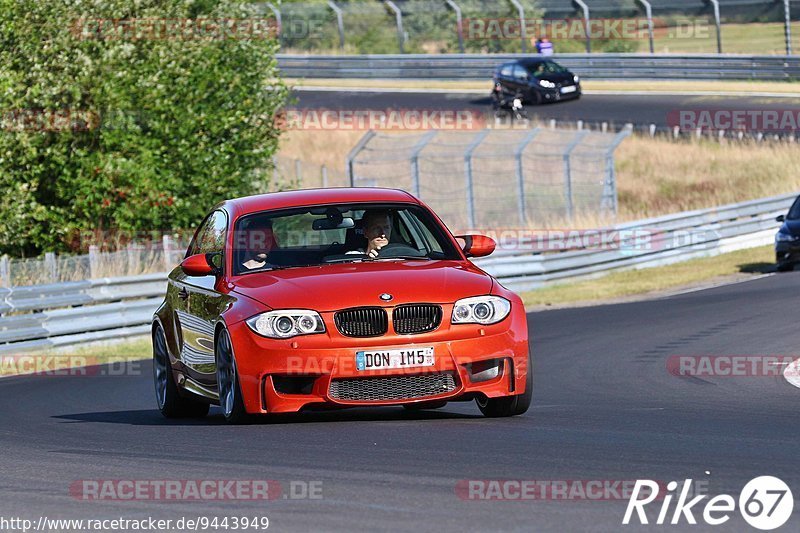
x,y
133,115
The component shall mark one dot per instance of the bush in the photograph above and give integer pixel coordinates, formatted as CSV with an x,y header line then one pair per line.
x,y
126,133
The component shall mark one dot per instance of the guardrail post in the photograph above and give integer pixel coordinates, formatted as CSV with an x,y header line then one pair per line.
x,y
468,175
522,32
324,173
460,24
5,272
520,174
586,22
568,203
339,22
277,13
648,10
715,5
609,198
415,151
354,152
787,22
298,173
94,265
401,35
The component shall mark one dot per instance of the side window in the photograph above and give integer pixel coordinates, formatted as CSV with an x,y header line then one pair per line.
x,y
505,70
211,235
520,73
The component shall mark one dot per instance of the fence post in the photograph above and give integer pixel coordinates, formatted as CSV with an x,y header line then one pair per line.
x,y
610,182
715,4
166,246
522,32
415,151
460,24
324,172
648,10
401,34
568,203
298,173
339,22
5,272
585,9
94,266
354,153
51,266
468,175
787,18
520,174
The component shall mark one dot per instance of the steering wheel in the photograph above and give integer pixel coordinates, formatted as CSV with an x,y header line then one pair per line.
x,y
396,249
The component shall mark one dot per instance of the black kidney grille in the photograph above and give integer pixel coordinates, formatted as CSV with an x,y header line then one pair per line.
x,y
416,318
362,322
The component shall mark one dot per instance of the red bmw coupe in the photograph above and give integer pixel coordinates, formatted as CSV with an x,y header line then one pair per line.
x,y
336,298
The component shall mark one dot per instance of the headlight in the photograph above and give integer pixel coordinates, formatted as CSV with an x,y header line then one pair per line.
x,y
480,310
547,84
287,323
576,78
785,237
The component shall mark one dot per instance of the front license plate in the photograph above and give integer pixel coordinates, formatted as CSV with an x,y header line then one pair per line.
x,y
378,359
568,89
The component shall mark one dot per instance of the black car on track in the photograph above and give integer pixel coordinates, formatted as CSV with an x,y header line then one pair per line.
x,y
533,80
787,240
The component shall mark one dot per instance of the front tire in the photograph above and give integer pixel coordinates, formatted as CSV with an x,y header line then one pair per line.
x,y
170,402
509,405
230,393
785,267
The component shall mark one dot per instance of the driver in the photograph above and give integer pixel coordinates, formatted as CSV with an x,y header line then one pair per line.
x,y
377,230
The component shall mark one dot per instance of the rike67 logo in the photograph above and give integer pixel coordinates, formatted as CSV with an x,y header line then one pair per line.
x,y
765,503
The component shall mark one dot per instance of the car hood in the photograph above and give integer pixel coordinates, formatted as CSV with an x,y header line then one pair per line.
x,y
338,286
792,227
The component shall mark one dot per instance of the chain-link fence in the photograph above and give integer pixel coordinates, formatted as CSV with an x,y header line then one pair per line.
x,y
495,178
481,26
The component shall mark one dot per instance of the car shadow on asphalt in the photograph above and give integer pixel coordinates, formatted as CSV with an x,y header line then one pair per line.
x,y
757,268
152,417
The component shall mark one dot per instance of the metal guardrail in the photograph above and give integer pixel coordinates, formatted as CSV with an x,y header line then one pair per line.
x,y
70,313
472,67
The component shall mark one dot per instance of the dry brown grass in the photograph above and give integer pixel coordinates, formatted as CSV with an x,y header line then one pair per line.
x,y
654,176
659,176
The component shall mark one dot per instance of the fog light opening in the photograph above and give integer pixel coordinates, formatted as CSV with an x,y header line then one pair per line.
x,y
484,370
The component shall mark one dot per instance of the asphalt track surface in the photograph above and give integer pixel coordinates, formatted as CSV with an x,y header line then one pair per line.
x,y
605,408
616,109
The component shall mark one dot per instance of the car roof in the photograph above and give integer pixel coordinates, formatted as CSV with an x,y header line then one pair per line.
x,y
309,197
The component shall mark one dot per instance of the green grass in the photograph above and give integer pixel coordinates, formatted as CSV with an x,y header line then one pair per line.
x,y
651,280
752,38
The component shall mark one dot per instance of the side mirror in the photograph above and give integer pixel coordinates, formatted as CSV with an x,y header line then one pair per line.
x,y
780,218
477,245
197,265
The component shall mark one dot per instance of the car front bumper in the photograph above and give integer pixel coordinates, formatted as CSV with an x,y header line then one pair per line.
x,y
315,362
787,252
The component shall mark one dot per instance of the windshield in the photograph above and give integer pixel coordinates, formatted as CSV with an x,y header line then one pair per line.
x,y
343,233
544,68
